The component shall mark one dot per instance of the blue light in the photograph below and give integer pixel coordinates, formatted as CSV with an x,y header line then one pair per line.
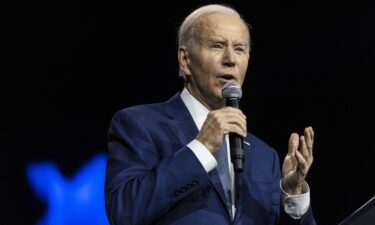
x,y
71,201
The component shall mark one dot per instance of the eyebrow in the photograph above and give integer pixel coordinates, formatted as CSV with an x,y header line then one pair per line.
x,y
221,41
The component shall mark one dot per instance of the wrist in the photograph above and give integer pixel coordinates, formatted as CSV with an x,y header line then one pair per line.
x,y
292,190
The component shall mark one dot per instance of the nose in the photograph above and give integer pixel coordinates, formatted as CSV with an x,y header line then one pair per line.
x,y
229,57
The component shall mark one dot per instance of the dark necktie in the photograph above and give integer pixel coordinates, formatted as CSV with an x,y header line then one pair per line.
x,y
221,156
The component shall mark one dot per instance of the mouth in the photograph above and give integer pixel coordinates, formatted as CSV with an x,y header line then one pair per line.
x,y
225,78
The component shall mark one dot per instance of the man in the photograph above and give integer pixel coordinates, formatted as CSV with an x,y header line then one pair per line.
x,y
163,166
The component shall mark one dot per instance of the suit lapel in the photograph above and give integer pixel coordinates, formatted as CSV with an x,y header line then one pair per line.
x,y
185,130
182,124
215,181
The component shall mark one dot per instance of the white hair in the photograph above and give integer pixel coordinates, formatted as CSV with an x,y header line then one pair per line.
x,y
186,31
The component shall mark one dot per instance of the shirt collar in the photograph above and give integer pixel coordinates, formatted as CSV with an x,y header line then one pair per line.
x,y
197,110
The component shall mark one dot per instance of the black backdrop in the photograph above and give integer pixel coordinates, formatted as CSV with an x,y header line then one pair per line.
x,y
73,64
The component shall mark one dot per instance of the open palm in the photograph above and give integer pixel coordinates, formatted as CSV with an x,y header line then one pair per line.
x,y
298,161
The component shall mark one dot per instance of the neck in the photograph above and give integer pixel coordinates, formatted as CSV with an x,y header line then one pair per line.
x,y
206,101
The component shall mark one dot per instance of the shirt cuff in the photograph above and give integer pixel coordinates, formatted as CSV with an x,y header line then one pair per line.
x,y
204,156
296,205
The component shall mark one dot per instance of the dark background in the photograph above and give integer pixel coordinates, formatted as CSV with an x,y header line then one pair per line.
x,y
72,64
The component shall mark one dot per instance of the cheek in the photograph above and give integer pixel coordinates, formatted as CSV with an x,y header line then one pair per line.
x,y
243,74
244,67
244,63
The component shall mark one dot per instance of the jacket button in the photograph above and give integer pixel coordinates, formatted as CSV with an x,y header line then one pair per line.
x,y
188,186
183,189
177,192
194,182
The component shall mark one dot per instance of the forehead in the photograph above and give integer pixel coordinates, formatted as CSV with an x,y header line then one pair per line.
x,y
222,25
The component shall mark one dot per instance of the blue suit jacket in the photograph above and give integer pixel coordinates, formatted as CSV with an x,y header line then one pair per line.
x,y
153,178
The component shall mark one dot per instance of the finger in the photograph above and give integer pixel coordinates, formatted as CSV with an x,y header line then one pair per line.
x,y
312,133
235,128
302,146
309,134
241,124
302,164
234,118
221,118
227,115
293,143
232,110
305,152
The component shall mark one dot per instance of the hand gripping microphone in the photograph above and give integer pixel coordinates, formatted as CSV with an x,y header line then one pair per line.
x,y
232,94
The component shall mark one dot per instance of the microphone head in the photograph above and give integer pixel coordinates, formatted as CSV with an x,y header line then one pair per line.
x,y
231,90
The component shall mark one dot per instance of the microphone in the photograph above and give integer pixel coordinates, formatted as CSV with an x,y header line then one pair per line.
x,y
232,94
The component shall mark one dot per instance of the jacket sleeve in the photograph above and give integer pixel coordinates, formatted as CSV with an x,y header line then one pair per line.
x,y
141,184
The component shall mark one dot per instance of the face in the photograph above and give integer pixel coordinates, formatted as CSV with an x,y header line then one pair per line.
x,y
219,54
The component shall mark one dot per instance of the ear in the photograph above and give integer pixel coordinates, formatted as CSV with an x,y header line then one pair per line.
x,y
183,59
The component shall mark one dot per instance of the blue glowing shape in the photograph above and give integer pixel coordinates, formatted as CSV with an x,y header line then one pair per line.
x,y
75,201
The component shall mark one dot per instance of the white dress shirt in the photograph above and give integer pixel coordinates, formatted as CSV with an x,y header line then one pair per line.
x,y
293,205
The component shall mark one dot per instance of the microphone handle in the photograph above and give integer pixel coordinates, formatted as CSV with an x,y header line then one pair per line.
x,y
236,141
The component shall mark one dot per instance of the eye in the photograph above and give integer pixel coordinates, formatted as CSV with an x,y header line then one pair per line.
x,y
217,45
240,49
